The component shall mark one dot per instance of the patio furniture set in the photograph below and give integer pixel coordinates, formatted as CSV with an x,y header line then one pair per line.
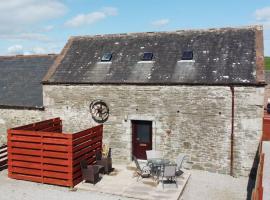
x,y
103,165
157,167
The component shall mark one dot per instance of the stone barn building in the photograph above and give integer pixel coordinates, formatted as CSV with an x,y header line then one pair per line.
x,y
21,99
199,92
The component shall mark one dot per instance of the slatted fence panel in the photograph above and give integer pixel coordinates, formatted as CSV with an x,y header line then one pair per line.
x,y
257,193
3,157
38,154
266,128
85,145
51,125
50,157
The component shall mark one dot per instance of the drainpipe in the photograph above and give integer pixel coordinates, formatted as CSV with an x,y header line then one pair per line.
x,y
232,132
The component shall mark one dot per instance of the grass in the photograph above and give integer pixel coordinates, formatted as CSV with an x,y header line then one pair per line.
x,y
267,63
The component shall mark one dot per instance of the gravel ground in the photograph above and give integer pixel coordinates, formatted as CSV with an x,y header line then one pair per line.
x,y
210,186
25,190
201,186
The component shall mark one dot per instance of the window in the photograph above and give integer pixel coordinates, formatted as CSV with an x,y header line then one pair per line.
x,y
187,55
147,56
106,57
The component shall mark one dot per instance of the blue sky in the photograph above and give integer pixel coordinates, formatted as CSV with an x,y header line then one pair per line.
x,y
44,26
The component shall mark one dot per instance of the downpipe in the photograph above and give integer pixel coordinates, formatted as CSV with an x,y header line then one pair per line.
x,y
232,133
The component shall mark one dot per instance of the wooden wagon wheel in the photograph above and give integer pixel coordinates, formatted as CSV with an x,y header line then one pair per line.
x,y
99,111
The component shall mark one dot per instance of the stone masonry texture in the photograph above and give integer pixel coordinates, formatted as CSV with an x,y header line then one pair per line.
x,y
199,118
10,118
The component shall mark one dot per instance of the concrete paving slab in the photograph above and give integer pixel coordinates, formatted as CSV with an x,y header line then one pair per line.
x,y
123,183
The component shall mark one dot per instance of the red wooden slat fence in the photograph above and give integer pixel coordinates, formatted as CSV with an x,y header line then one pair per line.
x,y
40,152
266,127
3,157
257,193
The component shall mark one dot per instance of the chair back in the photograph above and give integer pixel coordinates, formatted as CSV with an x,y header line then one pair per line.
x,y
152,154
137,163
83,164
169,170
180,160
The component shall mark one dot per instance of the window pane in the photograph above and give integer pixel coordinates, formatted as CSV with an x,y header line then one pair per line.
x,y
143,133
187,55
147,56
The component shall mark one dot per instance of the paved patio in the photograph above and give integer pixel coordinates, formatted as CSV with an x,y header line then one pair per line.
x,y
123,183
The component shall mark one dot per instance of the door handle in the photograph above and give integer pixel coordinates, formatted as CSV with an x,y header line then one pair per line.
x,y
143,145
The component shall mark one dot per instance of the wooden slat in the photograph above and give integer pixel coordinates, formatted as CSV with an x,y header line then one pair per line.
x,y
3,167
58,175
88,131
87,143
57,147
3,156
55,161
3,151
26,145
18,157
25,151
24,139
56,181
85,138
56,141
35,172
3,162
37,124
3,147
39,133
29,165
57,168
52,154
25,177
55,128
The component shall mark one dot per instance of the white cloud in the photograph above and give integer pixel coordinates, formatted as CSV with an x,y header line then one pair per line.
x,y
38,50
16,50
47,28
91,18
160,22
18,15
26,36
263,14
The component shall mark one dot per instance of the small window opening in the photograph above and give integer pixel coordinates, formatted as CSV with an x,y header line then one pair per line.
x,y
106,57
147,56
187,55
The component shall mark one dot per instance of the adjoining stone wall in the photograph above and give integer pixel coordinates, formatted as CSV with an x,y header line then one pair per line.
x,y
248,122
10,118
199,118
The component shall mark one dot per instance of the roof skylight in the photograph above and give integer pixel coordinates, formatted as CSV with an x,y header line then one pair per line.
x,y
147,56
187,55
106,57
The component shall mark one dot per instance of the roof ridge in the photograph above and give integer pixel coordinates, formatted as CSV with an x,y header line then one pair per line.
x,y
253,27
27,56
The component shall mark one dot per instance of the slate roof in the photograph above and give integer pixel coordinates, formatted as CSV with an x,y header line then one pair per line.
x,y
20,80
224,56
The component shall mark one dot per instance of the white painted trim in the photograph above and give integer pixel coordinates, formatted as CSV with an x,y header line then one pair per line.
x,y
146,62
186,61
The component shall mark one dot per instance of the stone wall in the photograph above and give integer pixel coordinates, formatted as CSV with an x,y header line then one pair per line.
x,y
16,117
199,118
